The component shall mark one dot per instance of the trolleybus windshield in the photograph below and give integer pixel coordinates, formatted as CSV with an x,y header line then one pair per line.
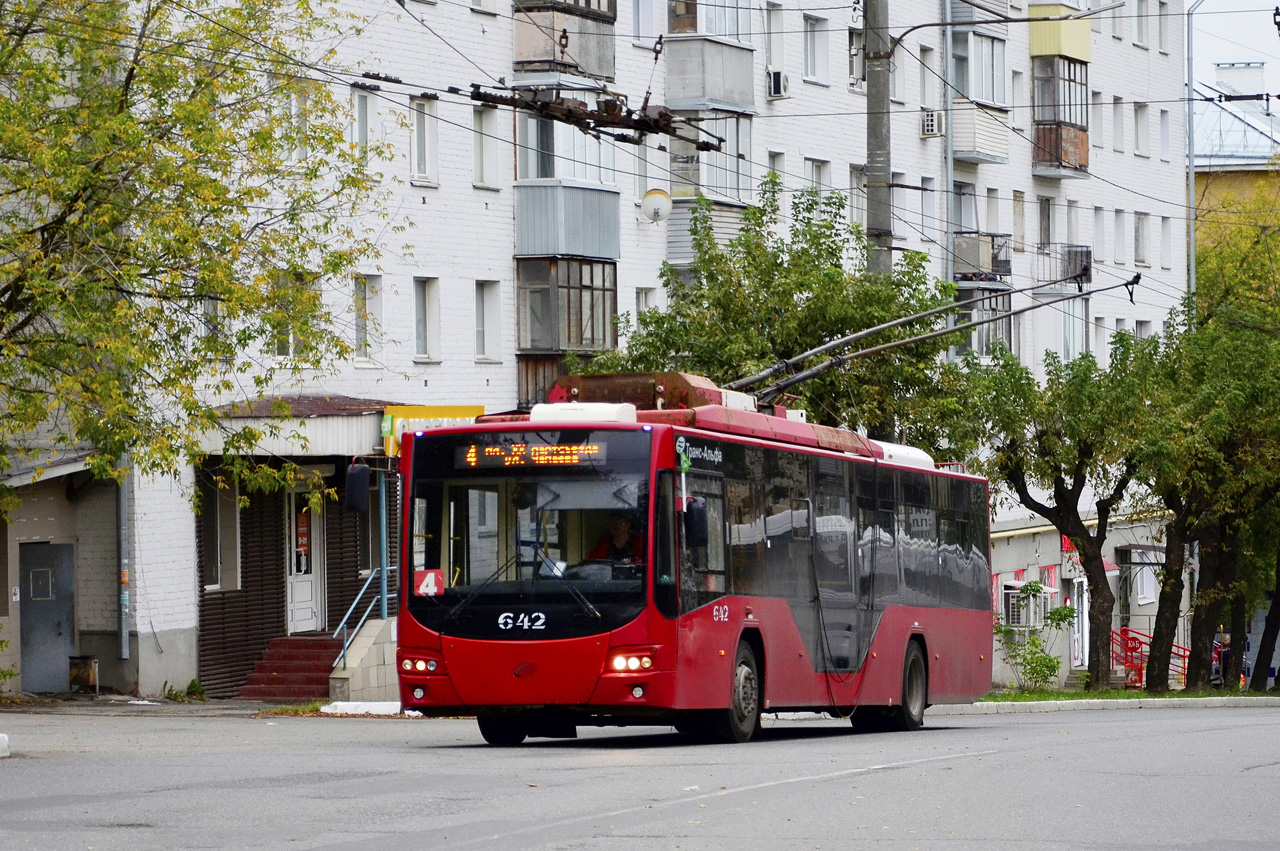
x,y
525,535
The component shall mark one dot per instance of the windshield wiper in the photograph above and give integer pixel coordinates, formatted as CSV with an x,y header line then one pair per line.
x,y
466,601
554,569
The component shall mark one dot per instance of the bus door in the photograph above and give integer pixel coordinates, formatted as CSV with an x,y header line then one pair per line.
x,y
840,634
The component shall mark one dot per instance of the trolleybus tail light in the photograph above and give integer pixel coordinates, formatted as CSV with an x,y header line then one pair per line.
x,y
630,659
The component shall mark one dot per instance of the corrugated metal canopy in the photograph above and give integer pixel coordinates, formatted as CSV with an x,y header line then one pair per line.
x,y
307,425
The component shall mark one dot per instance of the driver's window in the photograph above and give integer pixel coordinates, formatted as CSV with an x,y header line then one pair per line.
x,y
702,569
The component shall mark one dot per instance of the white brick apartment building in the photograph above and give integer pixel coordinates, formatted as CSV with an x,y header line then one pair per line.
x,y
1021,155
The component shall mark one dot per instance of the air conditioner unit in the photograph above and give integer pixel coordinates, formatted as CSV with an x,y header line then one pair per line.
x,y
933,122
777,85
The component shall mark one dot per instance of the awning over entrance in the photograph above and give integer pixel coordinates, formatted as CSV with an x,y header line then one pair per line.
x,y
329,424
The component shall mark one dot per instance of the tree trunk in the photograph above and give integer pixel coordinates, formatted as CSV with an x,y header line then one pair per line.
x,y
1102,603
1168,608
1270,630
1206,611
1239,639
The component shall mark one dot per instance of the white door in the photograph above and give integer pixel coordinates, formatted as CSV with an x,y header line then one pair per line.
x,y
306,564
1080,627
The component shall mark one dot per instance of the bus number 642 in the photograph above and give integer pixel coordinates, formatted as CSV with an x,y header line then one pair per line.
x,y
720,613
525,620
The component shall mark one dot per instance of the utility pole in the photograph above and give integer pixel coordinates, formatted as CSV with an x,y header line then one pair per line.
x,y
879,170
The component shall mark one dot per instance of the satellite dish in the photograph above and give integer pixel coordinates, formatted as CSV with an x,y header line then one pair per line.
x,y
656,205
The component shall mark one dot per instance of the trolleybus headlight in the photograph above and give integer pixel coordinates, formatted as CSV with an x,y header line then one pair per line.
x,y
619,663
646,662
420,665
431,664
632,661
407,665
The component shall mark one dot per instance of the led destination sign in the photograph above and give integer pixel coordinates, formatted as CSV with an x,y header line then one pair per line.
x,y
473,455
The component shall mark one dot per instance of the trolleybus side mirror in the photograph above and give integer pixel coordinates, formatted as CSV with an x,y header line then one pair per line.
x,y
696,532
357,495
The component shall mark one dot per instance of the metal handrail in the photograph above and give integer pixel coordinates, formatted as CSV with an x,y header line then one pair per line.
x,y
348,635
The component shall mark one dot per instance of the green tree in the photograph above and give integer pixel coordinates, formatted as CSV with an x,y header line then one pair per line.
x,y
1066,449
769,295
178,190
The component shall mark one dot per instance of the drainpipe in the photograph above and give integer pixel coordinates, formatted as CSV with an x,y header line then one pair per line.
x,y
382,538
948,152
122,525
1191,150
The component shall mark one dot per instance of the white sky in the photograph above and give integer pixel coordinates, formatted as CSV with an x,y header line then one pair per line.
x,y
1233,31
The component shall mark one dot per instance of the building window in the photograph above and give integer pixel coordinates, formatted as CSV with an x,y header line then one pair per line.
x,y
1164,135
646,27
646,299
1118,16
729,18
220,531
1099,232
1073,222
1074,317
1061,89
426,318
993,210
1118,231
566,304
928,209
1095,118
1121,327
817,174
773,35
292,105
1117,124
815,49
927,78
778,163
546,149
1019,611
1140,237
1018,101
727,172
365,302
898,198
423,112
1166,242
858,196
980,304
487,321
1019,221
1162,26
1045,231
1140,22
1141,131
857,58
362,113
1142,328
294,289
979,67
484,152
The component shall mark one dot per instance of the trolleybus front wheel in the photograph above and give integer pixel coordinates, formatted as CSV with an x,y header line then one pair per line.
x,y
503,730
741,720
915,691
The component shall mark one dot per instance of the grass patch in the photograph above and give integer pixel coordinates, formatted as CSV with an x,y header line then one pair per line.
x,y
306,710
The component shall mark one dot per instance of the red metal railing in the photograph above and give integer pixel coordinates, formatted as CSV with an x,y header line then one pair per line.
x,y
1130,649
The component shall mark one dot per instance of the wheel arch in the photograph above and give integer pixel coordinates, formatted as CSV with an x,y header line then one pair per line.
x,y
751,635
919,638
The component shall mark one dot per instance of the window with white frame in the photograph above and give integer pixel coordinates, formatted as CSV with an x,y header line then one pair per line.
x,y
928,209
898,198
1142,328
484,161
1073,222
1095,21
426,319
1141,130
977,305
858,195
1164,135
220,530
294,289
1099,231
642,12
1018,110
547,149
993,210
1074,314
1166,242
1118,242
646,299
898,75
725,173
1117,124
1061,91
815,49
362,118
1118,17
857,58
1095,118
487,321
727,18
423,117
1100,332
1140,22
566,304
292,107
1023,611
1162,26
928,78
649,173
1044,236
978,62
1122,327
773,36
778,164
817,174
1019,221
1141,227
366,303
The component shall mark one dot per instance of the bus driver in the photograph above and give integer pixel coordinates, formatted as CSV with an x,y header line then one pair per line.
x,y
620,544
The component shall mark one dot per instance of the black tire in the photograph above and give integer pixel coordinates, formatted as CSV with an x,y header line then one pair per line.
x,y
741,720
503,730
909,714
691,725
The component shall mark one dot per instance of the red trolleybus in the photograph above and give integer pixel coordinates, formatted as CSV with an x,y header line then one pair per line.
x,y
648,554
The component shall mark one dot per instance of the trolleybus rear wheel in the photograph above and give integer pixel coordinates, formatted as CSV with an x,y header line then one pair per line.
x,y
502,730
741,720
915,691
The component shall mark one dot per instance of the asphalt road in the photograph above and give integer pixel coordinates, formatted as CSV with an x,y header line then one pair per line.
x,y
1202,778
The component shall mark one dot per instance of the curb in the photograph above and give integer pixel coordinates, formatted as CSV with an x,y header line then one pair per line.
x,y
1020,707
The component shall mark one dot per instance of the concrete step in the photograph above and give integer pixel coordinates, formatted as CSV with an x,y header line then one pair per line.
x,y
294,679
284,694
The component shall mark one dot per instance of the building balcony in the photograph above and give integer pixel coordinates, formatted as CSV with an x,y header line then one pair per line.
x,y
981,256
705,72
560,218
979,134
726,222
588,28
1061,151
1063,266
